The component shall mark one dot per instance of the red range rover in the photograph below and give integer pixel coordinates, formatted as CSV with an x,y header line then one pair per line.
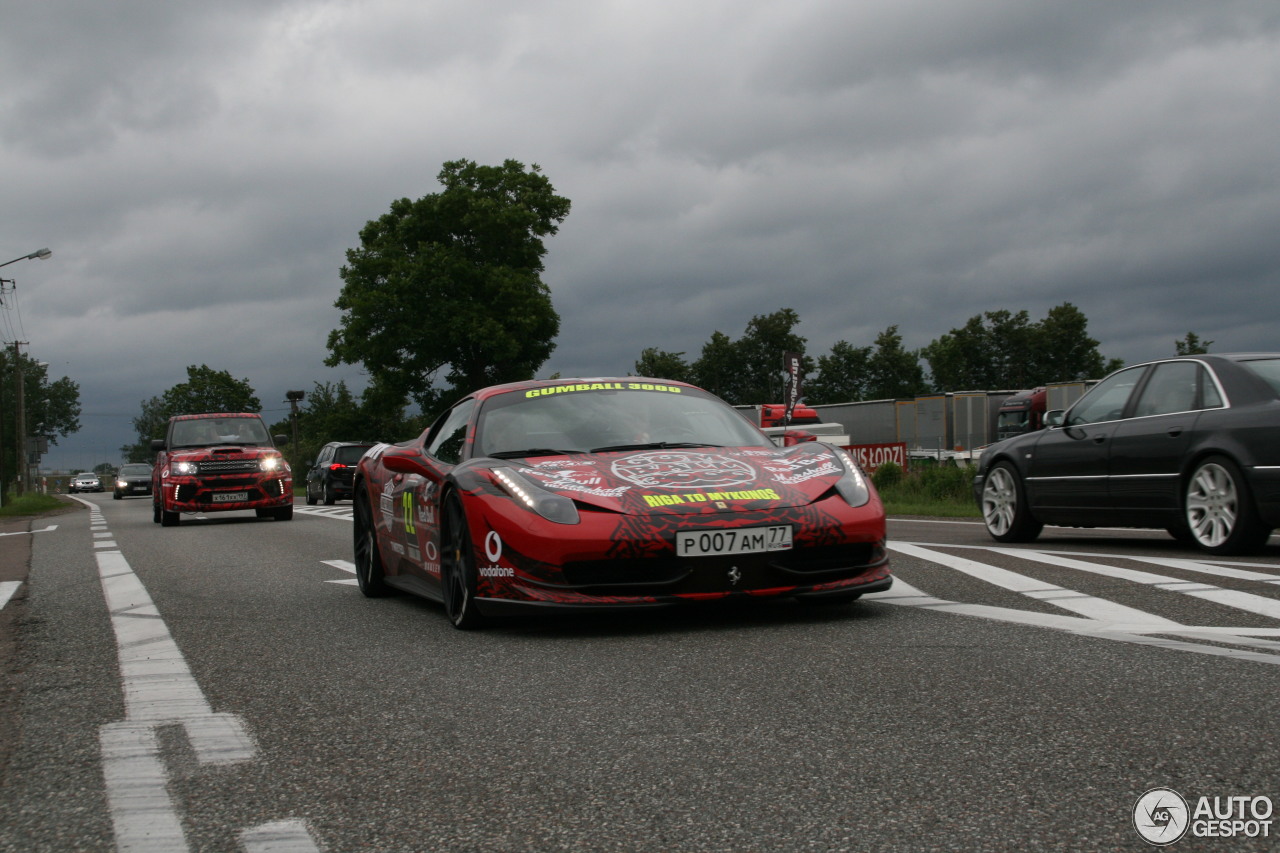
x,y
217,462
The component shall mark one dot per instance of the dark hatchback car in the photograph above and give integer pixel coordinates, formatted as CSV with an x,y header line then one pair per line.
x,y
329,478
132,479
1190,445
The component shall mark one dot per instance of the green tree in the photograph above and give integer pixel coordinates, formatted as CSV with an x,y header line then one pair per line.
x,y
1063,350
1191,345
885,370
750,369
893,371
52,409
1001,349
452,282
842,375
660,364
206,390
718,368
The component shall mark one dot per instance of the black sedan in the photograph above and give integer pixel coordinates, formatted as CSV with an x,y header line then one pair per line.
x,y
133,479
1190,445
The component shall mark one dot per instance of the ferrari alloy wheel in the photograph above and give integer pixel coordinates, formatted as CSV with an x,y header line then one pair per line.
x,y
1004,506
458,570
368,561
1219,511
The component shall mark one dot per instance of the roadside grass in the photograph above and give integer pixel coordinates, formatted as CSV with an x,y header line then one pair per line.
x,y
928,489
30,504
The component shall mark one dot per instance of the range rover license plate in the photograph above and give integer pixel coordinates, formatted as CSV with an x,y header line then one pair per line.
x,y
230,497
742,540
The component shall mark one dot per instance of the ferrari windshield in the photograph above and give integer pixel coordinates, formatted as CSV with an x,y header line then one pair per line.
x,y
562,419
204,432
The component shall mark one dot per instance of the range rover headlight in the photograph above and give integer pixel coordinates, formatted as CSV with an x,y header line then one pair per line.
x,y
186,468
271,463
852,485
547,504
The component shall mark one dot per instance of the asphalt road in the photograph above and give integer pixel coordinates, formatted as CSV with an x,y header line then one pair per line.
x,y
223,685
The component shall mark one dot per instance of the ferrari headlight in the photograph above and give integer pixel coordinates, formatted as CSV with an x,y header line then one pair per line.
x,y
852,485
185,468
549,505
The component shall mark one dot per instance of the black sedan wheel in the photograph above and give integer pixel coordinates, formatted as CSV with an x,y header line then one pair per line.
x,y
1219,510
458,570
369,574
1004,506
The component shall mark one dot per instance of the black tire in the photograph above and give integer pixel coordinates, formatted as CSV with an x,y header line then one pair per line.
x,y
155,510
458,577
328,494
369,573
169,519
1004,506
1219,510
311,501
284,513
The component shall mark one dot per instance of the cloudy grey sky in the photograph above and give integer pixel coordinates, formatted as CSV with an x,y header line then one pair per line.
x,y
199,170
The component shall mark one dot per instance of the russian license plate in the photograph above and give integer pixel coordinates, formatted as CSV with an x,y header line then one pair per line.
x,y
230,497
742,540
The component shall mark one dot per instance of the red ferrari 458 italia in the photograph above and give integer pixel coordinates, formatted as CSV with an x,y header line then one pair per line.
x,y
610,493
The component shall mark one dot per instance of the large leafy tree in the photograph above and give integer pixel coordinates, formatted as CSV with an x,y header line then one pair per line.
x,y
843,375
661,364
451,283
52,409
893,371
1191,345
206,390
750,370
1001,349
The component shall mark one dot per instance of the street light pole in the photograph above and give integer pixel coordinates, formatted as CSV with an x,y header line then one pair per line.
x,y
20,422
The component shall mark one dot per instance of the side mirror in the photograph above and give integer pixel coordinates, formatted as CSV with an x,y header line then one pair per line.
x,y
157,444
280,439
1053,418
404,464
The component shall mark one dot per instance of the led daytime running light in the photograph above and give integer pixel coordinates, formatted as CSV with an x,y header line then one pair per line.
x,y
550,506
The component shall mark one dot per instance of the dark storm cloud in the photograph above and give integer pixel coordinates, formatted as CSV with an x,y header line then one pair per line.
x,y
200,170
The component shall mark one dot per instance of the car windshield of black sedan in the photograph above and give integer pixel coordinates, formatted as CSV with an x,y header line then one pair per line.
x,y
582,421
135,471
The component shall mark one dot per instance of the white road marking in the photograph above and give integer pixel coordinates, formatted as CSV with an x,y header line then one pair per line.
x,y
160,690
7,589
30,532
1103,619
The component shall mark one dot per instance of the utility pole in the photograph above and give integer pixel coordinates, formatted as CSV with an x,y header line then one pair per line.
x,y
20,422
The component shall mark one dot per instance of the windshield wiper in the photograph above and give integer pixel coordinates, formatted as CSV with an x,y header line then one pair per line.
x,y
533,451
652,445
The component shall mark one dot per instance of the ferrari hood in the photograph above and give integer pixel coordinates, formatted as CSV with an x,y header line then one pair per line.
x,y
692,480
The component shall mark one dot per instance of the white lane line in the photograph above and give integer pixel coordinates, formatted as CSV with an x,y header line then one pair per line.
x,y
1117,617
137,790
30,532
159,689
7,589
1246,601
282,836
904,594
